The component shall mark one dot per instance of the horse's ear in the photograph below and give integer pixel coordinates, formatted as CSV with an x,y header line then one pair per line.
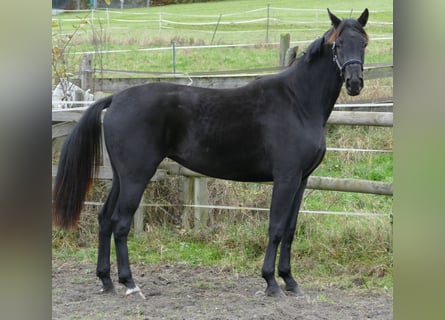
x,y
363,19
335,21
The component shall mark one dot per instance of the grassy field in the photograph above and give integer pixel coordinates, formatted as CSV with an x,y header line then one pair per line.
x,y
128,32
344,250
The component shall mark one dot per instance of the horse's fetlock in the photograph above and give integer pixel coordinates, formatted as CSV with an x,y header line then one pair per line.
x,y
284,273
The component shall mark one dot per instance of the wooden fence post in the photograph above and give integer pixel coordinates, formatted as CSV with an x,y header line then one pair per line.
x,y
267,23
197,193
86,72
138,220
78,96
188,188
291,54
284,46
201,197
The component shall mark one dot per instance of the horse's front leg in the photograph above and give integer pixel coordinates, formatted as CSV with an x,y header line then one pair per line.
x,y
283,195
284,268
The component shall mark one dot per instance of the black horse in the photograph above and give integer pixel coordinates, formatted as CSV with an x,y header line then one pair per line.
x,y
272,129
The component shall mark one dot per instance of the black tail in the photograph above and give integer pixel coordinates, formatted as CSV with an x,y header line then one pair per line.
x,y
78,161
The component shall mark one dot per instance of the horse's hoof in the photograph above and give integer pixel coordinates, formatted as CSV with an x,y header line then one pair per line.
x,y
275,292
109,290
296,291
134,291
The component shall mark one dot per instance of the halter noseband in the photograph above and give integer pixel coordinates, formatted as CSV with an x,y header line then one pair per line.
x,y
342,67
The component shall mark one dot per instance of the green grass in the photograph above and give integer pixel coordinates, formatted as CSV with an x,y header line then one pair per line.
x,y
134,29
368,166
327,249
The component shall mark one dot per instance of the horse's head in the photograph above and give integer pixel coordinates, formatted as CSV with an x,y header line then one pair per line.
x,y
349,40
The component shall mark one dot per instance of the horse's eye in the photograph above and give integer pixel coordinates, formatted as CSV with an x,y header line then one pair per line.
x,y
365,45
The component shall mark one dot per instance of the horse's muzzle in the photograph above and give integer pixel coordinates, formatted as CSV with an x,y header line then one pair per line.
x,y
353,79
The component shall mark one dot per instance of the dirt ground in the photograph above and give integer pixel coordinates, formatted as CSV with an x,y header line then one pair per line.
x,y
184,292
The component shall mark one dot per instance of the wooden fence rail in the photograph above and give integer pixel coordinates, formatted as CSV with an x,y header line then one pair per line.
x,y
171,168
216,80
314,182
223,79
383,119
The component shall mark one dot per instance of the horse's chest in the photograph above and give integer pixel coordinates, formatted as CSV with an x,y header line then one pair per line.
x,y
313,152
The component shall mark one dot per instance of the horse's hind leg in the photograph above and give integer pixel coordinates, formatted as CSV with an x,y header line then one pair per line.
x,y
132,187
105,230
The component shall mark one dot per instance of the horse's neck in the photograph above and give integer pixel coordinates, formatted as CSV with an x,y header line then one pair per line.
x,y
318,85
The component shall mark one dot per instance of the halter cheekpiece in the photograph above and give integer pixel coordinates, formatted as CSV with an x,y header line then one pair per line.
x,y
342,67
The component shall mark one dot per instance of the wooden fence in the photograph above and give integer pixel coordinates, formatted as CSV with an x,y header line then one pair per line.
x,y
233,79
